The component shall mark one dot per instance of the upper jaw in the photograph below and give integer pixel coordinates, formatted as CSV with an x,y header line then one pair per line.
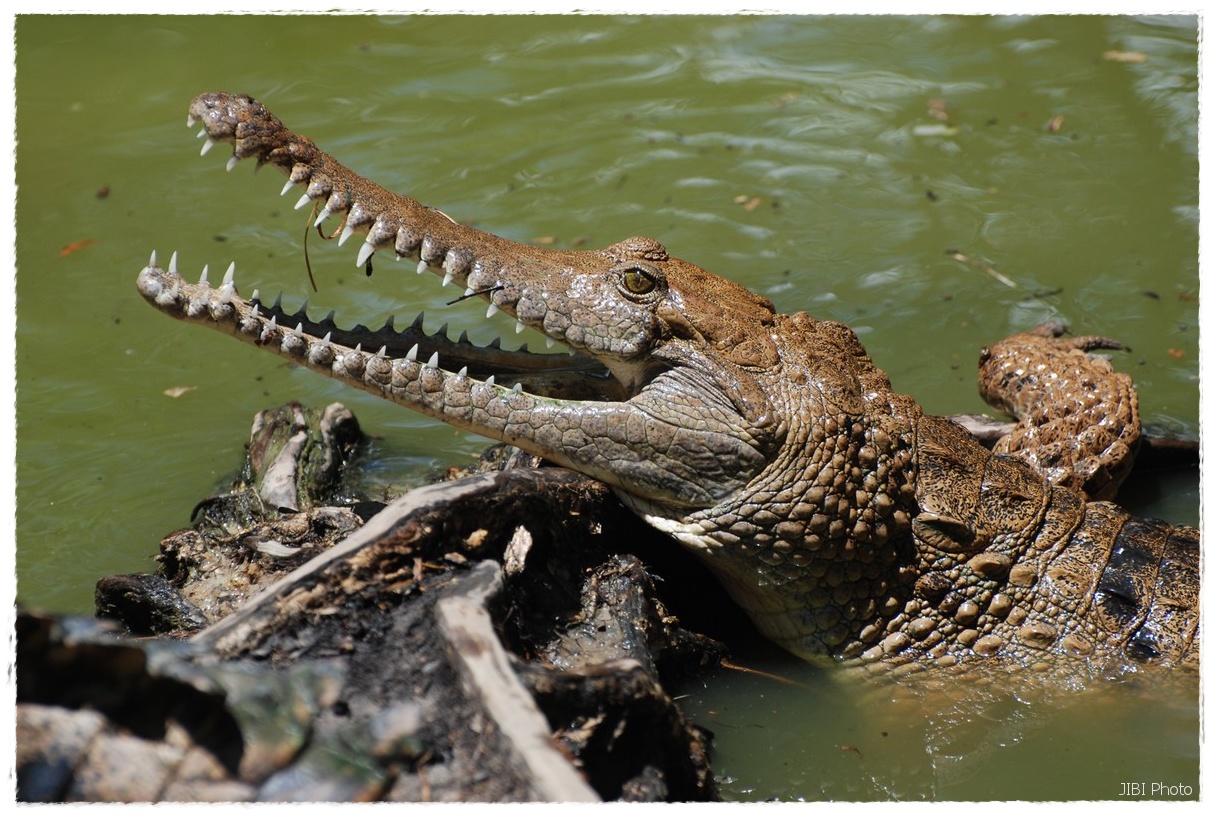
x,y
520,280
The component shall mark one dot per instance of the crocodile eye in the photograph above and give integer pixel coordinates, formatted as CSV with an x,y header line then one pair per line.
x,y
638,281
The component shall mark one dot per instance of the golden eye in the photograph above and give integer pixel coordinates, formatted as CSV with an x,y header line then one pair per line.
x,y
637,282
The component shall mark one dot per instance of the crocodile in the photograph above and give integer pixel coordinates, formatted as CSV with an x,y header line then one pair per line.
x,y
846,522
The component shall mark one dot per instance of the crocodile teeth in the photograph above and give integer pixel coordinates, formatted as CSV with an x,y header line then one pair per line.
x,y
493,310
321,216
202,279
412,354
207,145
347,231
231,163
422,267
304,200
230,275
286,187
519,327
365,252
191,120
172,262
448,278
434,360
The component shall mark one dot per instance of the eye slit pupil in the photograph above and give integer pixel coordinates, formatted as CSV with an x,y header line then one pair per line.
x,y
637,281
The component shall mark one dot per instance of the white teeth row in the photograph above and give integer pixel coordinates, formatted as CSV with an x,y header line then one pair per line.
x,y
227,290
365,251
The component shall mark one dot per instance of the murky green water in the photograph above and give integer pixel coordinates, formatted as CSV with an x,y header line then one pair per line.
x,y
828,163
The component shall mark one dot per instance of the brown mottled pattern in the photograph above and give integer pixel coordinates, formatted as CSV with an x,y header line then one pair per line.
x,y
1079,419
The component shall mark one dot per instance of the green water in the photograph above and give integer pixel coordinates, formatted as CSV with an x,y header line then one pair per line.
x,y
805,157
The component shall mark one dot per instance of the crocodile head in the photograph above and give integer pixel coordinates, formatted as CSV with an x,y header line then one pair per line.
x,y
768,443
656,342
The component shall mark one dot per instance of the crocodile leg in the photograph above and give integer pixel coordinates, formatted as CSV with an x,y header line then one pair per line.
x,y
1079,419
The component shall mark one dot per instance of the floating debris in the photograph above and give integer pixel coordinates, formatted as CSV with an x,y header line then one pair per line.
x,y
983,266
1125,56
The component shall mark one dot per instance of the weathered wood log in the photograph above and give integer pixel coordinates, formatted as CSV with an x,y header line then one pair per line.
x,y
384,667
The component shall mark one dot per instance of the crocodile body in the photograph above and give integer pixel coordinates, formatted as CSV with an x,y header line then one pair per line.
x,y
844,521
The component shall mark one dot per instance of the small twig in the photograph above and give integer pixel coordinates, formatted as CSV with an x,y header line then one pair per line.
x,y
485,291
981,265
728,664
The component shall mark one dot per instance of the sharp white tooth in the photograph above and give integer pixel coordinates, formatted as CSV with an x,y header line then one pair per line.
x,y
434,361
493,310
152,260
463,372
230,275
347,231
202,279
191,120
201,133
321,216
298,331
304,200
383,352
448,278
172,262
468,291
256,311
489,381
328,336
286,187
257,295
207,145
274,321
519,327
226,292
421,267
518,388
232,163
365,252
358,347
549,343
412,354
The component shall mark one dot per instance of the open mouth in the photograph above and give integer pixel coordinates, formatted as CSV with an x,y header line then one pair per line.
x,y
382,360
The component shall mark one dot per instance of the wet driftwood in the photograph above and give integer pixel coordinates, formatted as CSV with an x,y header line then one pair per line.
x,y
489,638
